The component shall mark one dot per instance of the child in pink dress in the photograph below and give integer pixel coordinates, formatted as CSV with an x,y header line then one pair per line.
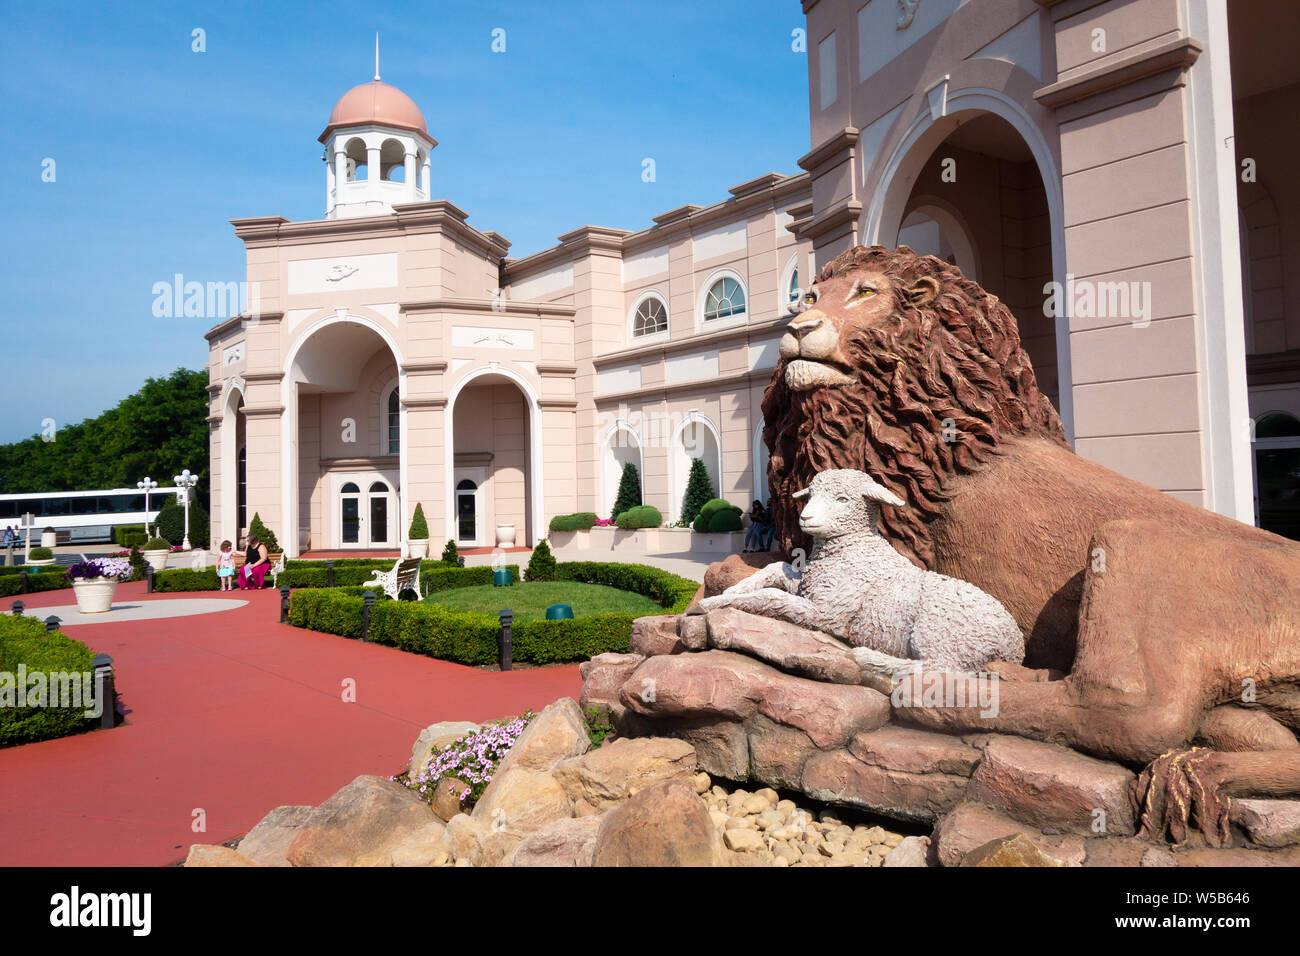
x,y
226,567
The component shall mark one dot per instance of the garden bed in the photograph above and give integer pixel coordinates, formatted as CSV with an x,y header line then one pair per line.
x,y
468,637
25,643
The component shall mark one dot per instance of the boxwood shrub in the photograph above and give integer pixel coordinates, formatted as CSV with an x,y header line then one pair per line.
x,y
24,640
42,579
580,521
642,516
718,515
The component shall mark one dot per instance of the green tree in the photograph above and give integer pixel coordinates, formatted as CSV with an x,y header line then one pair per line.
x,y
450,553
158,431
171,523
541,566
629,490
263,533
699,490
419,526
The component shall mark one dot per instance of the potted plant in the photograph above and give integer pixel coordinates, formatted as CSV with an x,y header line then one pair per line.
x,y
155,551
49,538
417,541
40,557
505,535
95,581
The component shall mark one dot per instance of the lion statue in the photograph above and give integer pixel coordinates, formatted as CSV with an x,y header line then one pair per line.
x,y
1161,612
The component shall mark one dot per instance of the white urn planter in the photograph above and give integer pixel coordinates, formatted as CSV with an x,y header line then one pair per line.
x,y
40,562
49,538
94,595
505,536
157,559
417,548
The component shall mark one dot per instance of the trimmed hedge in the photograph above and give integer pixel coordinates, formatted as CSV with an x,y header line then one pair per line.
x,y
642,516
579,521
122,530
471,638
434,576
46,580
24,640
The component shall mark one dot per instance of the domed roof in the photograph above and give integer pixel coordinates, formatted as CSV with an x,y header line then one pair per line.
x,y
376,102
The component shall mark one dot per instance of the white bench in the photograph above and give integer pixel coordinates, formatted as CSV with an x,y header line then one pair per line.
x,y
276,568
404,575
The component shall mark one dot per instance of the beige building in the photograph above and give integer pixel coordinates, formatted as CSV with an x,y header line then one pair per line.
x,y
1112,169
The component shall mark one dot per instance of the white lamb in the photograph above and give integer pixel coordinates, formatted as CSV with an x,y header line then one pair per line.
x,y
858,588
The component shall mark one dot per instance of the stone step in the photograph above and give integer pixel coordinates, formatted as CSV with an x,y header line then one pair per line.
x,y
973,825
1048,786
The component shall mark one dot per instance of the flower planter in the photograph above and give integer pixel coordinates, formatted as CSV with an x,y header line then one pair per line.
x,y
417,548
157,559
570,540
94,595
505,536
49,538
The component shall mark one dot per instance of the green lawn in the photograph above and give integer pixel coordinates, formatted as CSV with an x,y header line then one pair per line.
x,y
530,601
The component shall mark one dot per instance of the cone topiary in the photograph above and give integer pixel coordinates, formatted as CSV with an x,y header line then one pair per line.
x,y
699,490
450,554
542,565
419,527
263,533
629,490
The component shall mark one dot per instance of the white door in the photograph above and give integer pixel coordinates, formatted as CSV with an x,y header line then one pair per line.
x,y
470,523
367,516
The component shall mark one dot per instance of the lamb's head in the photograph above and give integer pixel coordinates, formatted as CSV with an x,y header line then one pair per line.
x,y
842,501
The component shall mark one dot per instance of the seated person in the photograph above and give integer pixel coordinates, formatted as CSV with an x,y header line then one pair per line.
x,y
256,565
759,522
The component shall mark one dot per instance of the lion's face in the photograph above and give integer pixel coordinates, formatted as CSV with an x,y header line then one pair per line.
x,y
830,312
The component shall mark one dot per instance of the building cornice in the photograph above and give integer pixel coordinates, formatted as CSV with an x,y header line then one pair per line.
x,y
273,376
425,367
552,310
561,404
1273,368
770,187
237,321
745,333
1120,70
830,149
262,411
430,216
667,391
335,464
844,211
436,402
556,370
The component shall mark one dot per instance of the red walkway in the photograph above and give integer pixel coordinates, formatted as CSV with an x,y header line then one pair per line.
x,y
231,713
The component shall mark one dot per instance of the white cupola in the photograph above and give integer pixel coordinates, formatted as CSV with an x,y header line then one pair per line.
x,y
376,152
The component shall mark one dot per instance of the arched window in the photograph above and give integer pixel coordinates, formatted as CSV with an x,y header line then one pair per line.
x,y
392,424
726,298
357,168
392,161
651,317
792,290
466,511
1277,425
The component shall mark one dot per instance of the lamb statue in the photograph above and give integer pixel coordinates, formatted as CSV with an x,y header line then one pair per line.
x,y
857,588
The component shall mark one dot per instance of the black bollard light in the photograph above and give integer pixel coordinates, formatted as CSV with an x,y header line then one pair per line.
x,y
26,585
506,638
367,602
284,603
148,579
16,608
51,624
329,573
103,665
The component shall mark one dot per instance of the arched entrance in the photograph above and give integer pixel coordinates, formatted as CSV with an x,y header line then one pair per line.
x,y
494,466
343,463
695,437
979,187
620,448
234,473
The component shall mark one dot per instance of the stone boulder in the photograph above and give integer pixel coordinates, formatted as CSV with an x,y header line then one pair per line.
x,y
604,674
437,737
1014,850
656,634
610,774
207,854
446,801
731,686
913,851
838,776
1268,822
569,842
788,647
362,824
667,824
557,733
268,842
972,825
521,801
733,569
1050,786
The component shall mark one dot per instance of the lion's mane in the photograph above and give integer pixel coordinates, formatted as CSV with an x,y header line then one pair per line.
x,y
939,388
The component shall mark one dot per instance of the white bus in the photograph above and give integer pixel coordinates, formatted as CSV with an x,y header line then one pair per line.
x,y
81,516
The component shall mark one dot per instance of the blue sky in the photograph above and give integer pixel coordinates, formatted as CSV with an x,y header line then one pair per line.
x,y
156,146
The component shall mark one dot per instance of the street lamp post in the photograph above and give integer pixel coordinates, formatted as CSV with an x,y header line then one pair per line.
x,y
147,485
185,481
